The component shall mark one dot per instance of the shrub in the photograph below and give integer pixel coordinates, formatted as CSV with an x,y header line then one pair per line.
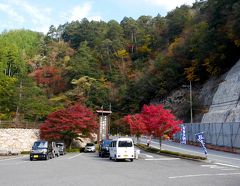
x,y
73,150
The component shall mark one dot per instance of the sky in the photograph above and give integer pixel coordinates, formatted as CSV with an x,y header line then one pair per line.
x,y
39,15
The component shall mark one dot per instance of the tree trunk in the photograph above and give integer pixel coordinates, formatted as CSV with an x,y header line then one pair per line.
x,y
132,41
160,142
138,139
17,109
70,145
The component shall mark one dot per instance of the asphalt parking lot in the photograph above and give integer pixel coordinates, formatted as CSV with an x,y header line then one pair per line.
x,y
89,169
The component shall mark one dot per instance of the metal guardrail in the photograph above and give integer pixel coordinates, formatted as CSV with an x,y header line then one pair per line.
x,y
217,134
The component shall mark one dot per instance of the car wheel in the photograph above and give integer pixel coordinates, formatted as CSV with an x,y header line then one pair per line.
x,y
110,157
131,160
31,158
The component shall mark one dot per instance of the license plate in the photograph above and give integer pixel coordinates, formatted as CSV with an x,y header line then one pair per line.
x,y
35,156
125,155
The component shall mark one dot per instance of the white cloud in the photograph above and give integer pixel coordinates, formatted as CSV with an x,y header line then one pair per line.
x,y
83,11
170,4
38,16
80,12
11,12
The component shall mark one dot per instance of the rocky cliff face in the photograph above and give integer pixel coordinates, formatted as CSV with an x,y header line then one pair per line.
x,y
225,105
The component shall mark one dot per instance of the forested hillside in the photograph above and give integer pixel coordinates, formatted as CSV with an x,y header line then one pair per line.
x,y
124,64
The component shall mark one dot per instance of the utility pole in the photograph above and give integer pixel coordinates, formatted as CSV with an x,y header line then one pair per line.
x,y
191,113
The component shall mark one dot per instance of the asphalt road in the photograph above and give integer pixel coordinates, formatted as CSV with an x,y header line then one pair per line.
x,y
89,169
213,156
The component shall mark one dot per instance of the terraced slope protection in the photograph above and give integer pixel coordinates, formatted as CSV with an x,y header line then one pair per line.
x,y
225,106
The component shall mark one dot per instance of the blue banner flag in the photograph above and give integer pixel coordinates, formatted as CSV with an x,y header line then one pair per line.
x,y
200,139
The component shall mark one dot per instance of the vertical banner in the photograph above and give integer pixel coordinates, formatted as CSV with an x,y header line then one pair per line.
x,y
183,139
103,127
200,138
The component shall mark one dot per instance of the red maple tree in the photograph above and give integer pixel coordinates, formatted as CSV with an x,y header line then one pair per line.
x,y
68,124
153,120
49,77
160,121
137,126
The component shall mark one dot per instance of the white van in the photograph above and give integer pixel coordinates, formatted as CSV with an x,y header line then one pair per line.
x,y
121,148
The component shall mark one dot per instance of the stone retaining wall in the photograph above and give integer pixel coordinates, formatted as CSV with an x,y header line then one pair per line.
x,y
17,140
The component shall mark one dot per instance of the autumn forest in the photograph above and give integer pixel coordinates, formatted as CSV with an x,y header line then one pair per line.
x,y
120,66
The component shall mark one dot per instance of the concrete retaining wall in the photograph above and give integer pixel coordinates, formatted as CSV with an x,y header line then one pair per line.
x,y
17,140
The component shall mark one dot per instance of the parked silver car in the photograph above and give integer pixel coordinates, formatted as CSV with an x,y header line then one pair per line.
x,y
61,147
90,147
55,149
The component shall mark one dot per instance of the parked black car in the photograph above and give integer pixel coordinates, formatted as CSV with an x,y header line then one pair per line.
x,y
42,150
104,148
61,147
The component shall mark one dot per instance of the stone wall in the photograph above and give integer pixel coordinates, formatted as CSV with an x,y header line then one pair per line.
x,y
17,140
14,141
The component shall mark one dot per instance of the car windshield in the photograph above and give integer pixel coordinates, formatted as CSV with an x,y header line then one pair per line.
x,y
90,144
40,144
59,145
124,144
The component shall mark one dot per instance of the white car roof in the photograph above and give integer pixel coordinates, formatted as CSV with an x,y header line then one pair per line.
x,y
122,139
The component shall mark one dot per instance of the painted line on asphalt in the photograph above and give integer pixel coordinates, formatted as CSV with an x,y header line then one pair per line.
x,y
149,156
227,165
162,159
74,156
228,169
204,175
218,167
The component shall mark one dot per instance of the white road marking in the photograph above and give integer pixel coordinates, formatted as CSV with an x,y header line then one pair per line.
x,y
149,156
228,169
202,175
217,167
213,166
74,156
162,159
227,165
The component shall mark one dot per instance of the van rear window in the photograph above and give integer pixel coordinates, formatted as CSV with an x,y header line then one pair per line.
x,y
125,144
